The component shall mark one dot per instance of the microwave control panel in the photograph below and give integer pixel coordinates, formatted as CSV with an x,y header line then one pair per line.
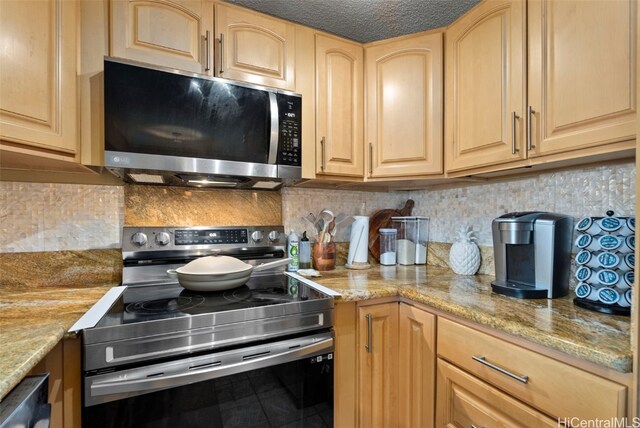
x,y
290,138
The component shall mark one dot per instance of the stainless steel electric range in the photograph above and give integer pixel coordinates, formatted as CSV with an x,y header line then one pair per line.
x,y
260,355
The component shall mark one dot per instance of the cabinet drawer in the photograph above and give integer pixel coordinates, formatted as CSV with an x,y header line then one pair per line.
x,y
555,388
465,401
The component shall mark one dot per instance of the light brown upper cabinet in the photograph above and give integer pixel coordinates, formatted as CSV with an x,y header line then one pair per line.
x,y
485,87
582,74
176,33
38,105
339,107
255,48
404,106
573,96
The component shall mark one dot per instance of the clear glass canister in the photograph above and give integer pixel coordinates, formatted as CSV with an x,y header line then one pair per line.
x,y
422,227
388,246
407,238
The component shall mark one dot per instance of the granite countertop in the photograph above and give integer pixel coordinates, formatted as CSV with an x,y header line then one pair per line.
x,y
33,321
555,323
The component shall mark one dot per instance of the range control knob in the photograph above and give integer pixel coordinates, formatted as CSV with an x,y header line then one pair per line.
x,y
139,239
163,238
274,235
257,236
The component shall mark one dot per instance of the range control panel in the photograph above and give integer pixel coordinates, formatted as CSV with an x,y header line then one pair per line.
x,y
186,238
210,236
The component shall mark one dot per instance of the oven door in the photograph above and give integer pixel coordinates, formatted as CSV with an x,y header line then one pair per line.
x,y
286,383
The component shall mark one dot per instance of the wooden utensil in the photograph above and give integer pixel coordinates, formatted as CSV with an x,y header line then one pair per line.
x,y
382,219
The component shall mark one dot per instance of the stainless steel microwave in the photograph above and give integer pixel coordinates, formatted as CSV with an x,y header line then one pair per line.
x,y
164,126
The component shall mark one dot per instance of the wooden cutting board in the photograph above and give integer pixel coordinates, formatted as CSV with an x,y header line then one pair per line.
x,y
381,220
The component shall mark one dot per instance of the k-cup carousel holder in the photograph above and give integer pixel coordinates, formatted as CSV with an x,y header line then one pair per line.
x,y
605,263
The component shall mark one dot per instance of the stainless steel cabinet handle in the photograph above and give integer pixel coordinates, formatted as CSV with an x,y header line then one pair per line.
x,y
369,346
483,360
221,53
370,159
514,147
322,161
476,426
207,54
530,112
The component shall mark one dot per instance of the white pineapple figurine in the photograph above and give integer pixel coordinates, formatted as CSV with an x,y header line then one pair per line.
x,y
464,257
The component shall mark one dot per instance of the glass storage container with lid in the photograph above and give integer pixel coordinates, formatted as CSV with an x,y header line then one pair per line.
x,y
407,238
422,239
388,246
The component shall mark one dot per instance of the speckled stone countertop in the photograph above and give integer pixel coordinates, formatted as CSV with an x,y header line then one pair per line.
x,y
33,321
555,323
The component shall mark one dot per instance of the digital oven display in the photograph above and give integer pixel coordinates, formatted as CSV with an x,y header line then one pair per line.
x,y
211,236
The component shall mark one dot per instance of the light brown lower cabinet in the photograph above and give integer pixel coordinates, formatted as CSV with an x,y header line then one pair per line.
x,y
377,365
417,367
398,365
64,368
465,401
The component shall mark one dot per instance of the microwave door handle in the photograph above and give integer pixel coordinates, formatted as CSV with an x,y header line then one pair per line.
x,y
275,130
213,371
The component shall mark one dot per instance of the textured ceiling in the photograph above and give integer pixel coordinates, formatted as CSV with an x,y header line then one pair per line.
x,y
364,20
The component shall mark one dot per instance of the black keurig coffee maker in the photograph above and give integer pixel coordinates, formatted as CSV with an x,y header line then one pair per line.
x,y
532,253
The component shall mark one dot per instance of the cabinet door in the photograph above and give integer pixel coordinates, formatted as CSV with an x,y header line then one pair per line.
x,y
255,48
582,73
417,365
485,59
38,106
162,32
339,107
377,365
404,106
465,401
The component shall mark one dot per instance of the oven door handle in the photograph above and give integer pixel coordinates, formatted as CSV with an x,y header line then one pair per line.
x,y
259,358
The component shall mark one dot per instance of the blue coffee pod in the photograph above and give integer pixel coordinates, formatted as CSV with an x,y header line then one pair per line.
x,y
610,224
629,277
628,245
585,258
588,226
607,277
608,295
586,242
608,260
610,242
585,291
584,274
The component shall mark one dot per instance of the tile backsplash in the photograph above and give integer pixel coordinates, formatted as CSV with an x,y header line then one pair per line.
x,y
580,192
577,192
54,217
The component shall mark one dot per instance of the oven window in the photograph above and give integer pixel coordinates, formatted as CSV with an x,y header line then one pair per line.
x,y
295,394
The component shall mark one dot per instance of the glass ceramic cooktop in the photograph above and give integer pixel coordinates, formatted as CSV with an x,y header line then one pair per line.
x,y
154,302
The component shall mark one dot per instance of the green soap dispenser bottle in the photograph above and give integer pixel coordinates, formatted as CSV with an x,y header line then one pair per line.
x,y
293,243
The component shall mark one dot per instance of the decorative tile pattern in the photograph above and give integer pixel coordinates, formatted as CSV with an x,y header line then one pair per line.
x,y
578,192
54,217
581,192
298,202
